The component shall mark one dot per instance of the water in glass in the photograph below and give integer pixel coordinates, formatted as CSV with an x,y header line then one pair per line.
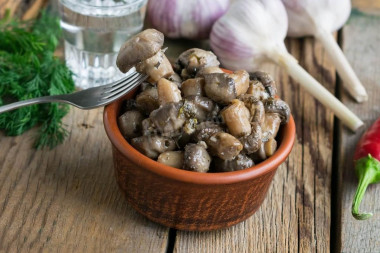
x,y
93,31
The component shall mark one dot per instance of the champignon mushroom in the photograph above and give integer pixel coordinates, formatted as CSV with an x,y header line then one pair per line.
x,y
278,106
205,130
194,59
197,107
257,90
196,157
236,116
130,123
220,87
224,145
252,142
171,158
241,78
255,106
175,78
152,146
259,155
270,126
148,128
168,92
168,119
156,67
146,85
208,70
270,147
147,100
240,162
193,86
267,82
139,48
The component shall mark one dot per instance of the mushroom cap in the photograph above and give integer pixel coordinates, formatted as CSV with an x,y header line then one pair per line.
x,y
138,48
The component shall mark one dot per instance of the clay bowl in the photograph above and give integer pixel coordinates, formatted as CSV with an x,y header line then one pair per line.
x,y
189,200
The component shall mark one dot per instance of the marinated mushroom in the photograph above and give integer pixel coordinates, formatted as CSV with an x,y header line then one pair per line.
x,y
147,100
255,106
167,92
266,80
205,130
224,145
139,48
130,124
236,116
148,128
260,154
270,126
171,158
278,106
270,147
240,162
175,78
152,146
198,107
208,70
252,142
257,89
156,67
192,60
193,87
168,119
241,78
220,87
196,157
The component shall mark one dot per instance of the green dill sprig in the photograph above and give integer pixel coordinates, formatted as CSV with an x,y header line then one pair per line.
x,y
28,69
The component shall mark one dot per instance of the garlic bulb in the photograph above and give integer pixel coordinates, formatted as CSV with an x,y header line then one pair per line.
x,y
252,32
190,19
306,15
321,18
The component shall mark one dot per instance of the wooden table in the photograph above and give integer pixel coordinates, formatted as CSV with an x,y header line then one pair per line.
x,y
66,199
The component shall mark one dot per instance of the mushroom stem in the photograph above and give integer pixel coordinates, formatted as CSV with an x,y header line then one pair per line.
x,y
351,81
286,60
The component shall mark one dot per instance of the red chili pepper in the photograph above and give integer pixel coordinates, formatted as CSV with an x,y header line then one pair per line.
x,y
367,166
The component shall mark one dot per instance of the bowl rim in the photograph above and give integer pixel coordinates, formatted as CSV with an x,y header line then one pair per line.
x,y
110,115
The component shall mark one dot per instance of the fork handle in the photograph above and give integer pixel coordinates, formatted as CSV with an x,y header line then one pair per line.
x,y
33,101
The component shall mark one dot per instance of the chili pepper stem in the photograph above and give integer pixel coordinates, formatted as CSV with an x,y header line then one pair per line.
x,y
367,169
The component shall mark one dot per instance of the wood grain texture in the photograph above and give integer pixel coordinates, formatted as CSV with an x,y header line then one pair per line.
x,y
361,40
67,199
295,216
368,6
22,9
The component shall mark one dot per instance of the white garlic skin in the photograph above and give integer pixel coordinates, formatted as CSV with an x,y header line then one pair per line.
x,y
306,15
248,33
190,19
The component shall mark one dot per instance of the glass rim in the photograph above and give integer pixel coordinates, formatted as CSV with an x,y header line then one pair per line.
x,y
92,6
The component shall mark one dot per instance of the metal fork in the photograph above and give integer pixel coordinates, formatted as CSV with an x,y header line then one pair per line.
x,y
89,98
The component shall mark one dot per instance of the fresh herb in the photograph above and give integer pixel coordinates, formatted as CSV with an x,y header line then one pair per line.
x,y
28,69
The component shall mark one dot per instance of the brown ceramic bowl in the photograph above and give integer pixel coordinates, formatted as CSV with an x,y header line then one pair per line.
x,y
190,200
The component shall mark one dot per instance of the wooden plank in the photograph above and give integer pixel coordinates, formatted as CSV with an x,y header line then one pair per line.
x,y
296,213
19,8
361,39
67,199
368,6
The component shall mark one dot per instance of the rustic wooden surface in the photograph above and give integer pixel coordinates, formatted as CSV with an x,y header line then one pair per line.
x,y
360,236
67,199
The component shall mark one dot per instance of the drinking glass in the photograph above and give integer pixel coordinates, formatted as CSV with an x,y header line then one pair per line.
x,y
93,31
